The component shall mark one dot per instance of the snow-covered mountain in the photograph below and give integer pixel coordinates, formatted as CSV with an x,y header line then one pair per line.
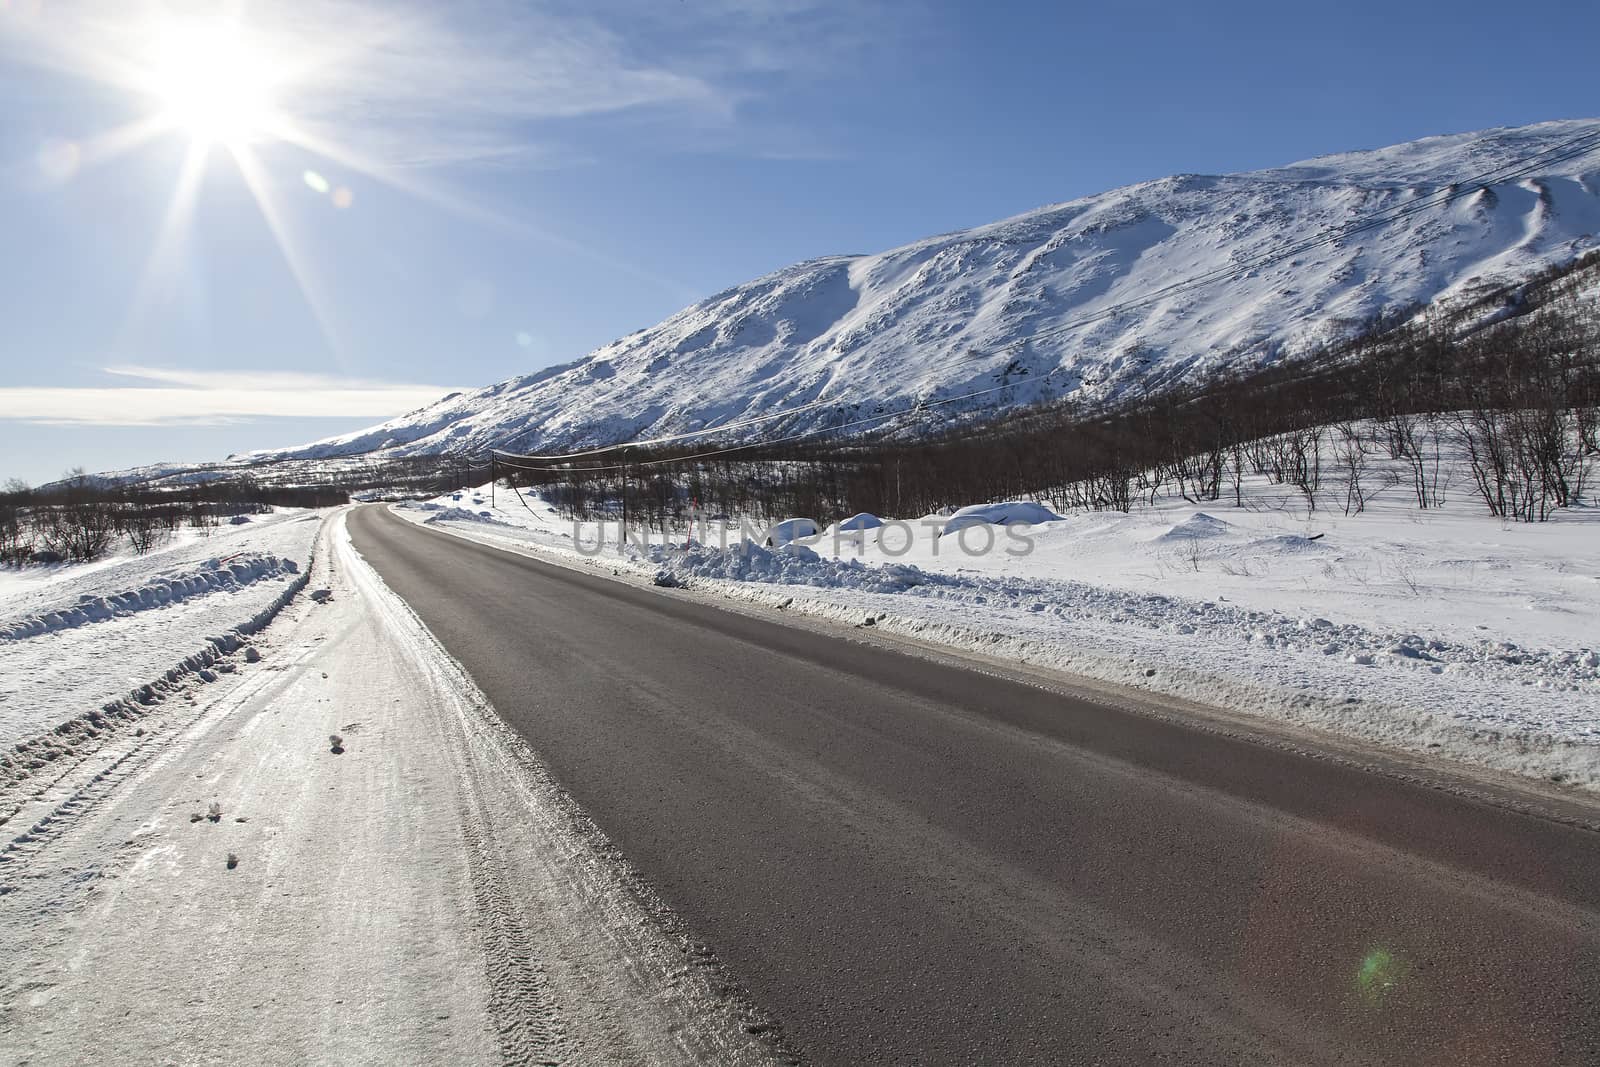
x,y
1005,304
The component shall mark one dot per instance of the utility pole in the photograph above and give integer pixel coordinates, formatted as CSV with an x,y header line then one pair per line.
x,y
492,479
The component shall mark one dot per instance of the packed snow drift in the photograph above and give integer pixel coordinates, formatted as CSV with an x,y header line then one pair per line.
x,y
86,647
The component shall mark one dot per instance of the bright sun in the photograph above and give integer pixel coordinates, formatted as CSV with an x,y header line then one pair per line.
x,y
212,84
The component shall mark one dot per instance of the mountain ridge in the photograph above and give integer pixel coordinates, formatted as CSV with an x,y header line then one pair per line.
x,y
996,306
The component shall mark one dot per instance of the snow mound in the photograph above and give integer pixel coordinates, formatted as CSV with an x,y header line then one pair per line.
x,y
1197,527
789,530
1006,513
441,514
789,564
861,520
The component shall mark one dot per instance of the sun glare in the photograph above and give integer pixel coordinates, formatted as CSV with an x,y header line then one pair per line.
x,y
230,87
212,83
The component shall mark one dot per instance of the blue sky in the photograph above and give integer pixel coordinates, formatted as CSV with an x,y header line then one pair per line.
x,y
447,195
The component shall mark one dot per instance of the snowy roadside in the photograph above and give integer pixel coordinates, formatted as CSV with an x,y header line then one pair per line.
x,y
1446,636
84,653
37,590
224,885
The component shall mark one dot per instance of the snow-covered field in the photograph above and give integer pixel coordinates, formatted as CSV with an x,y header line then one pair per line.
x,y
83,647
1439,632
221,884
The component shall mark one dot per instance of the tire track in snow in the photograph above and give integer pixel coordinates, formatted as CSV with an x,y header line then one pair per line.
x,y
528,1028
586,964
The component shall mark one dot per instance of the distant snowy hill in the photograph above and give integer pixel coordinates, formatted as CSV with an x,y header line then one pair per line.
x,y
960,312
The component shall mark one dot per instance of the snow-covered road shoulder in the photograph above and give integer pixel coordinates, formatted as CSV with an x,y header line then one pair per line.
x,y
228,574
1532,713
90,651
339,853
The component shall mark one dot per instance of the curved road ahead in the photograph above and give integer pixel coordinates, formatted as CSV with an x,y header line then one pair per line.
x,y
905,861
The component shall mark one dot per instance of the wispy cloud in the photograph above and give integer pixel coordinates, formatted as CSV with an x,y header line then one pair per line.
x,y
177,397
487,80
472,81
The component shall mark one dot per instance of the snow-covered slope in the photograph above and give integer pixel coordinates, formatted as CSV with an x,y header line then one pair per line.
x,y
960,312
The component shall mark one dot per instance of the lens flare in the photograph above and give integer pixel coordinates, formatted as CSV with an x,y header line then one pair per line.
x,y
59,160
1378,975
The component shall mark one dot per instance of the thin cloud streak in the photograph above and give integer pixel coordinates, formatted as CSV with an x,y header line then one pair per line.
x,y
212,398
421,86
488,81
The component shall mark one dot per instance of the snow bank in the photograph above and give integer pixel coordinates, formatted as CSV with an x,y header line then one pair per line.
x,y
1561,670
444,514
169,587
94,650
1003,514
1530,711
790,564
1197,527
790,530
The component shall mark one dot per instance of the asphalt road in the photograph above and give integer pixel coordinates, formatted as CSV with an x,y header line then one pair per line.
x,y
910,862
